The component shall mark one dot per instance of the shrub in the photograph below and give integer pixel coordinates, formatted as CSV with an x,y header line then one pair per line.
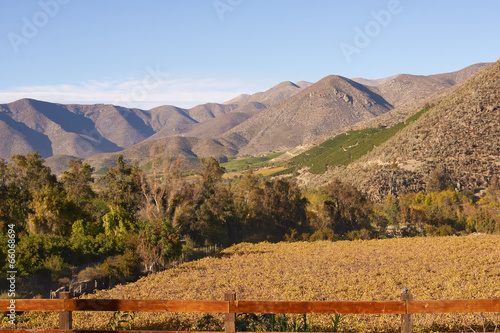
x,y
57,267
323,234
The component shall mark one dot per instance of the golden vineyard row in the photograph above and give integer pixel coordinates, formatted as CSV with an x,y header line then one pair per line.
x,y
431,268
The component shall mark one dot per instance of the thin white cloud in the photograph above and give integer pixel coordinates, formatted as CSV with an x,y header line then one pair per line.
x,y
144,93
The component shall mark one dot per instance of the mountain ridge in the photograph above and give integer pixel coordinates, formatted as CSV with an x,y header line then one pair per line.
x,y
283,117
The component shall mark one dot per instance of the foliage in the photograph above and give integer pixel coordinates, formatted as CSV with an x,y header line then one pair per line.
x,y
52,213
38,249
77,181
269,322
119,222
440,213
347,209
120,321
348,147
120,268
143,218
122,186
159,242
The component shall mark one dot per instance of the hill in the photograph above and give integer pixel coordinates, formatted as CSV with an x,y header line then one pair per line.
x,y
319,271
333,102
459,137
373,82
346,148
175,147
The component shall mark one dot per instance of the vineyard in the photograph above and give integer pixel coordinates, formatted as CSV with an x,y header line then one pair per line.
x,y
432,268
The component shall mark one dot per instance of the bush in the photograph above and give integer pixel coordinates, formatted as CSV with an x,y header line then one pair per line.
x,y
323,234
121,268
91,273
58,268
363,234
444,230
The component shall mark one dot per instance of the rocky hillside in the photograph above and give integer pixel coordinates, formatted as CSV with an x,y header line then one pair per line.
x,y
459,136
333,102
404,88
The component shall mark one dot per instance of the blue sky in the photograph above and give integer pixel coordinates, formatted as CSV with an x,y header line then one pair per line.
x,y
187,52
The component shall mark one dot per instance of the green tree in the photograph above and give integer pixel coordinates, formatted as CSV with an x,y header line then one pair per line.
x,y
284,207
30,173
203,216
248,199
216,220
347,208
40,197
77,181
159,242
123,186
52,213
119,222
211,176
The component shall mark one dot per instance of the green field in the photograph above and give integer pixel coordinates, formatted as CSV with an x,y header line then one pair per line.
x,y
246,163
348,147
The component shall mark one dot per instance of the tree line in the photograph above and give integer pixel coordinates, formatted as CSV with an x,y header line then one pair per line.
x,y
135,217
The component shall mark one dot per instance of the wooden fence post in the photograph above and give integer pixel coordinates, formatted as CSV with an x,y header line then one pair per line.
x,y
230,319
406,319
65,317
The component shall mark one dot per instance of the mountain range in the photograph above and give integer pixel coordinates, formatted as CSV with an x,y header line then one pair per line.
x,y
279,119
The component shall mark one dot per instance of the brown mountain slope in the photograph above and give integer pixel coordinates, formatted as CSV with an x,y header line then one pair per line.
x,y
122,126
170,121
86,130
460,135
17,138
238,99
276,94
218,126
50,129
170,118
374,82
204,112
176,146
405,88
333,102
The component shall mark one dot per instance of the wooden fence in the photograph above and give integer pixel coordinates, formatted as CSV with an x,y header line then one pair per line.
x,y
406,307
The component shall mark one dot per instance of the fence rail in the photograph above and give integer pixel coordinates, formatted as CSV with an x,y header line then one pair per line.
x,y
406,307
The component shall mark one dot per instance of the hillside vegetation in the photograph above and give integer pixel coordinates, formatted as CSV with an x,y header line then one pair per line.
x,y
348,147
431,268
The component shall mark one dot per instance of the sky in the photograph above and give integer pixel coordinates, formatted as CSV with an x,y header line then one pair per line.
x,y
188,52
